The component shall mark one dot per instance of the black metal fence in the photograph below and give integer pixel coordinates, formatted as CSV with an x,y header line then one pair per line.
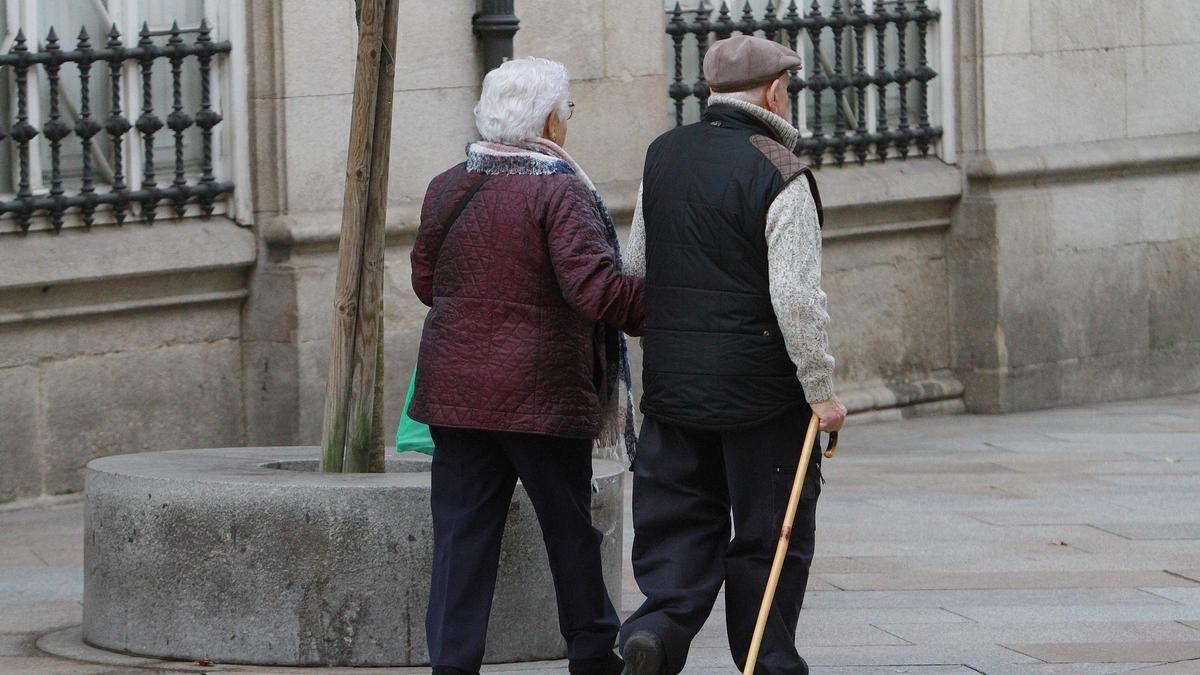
x,y
898,36
177,192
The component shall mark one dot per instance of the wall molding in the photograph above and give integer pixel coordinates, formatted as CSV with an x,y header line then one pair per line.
x,y
1075,160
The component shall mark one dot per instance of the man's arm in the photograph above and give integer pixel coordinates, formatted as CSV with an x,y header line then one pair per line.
x,y
794,264
633,261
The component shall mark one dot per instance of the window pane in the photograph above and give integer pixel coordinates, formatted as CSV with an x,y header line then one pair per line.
x,y
67,18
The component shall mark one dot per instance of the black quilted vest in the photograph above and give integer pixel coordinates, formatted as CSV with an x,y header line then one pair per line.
x,y
713,354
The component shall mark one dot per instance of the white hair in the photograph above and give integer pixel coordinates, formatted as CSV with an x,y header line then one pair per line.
x,y
517,98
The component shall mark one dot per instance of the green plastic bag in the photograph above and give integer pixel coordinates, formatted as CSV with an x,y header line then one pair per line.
x,y
412,435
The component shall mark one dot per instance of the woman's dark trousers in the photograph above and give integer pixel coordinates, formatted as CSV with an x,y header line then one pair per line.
x,y
685,484
474,473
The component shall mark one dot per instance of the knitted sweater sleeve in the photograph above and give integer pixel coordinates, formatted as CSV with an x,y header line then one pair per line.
x,y
634,262
794,265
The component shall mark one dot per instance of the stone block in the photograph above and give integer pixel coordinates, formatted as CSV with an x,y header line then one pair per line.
x,y
1169,21
1101,300
262,50
1157,104
316,281
266,167
568,31
633,38
316,131
1030,330
1170,207
1018,87
888,320
438,48
270,310
271,389
1106,377
429,131
1007,27
1175,370
171,247
1174,285
16,645
38,341
1024,221
893,248
1027,388
1074,305
20,453
1094,215
971,260
1065,25
307,69
312,373
610,147
185,396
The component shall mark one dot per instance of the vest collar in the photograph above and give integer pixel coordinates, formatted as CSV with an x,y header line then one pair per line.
x,y
734,111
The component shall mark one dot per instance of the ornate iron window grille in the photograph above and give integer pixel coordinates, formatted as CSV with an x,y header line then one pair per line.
x,y
111,59
856,31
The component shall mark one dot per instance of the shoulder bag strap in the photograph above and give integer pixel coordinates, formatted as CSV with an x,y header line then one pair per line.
x,y
462,205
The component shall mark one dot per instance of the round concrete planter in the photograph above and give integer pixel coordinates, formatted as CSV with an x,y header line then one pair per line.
x,y
248,555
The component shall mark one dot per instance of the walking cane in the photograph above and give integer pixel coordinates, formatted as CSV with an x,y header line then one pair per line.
x,y
785,536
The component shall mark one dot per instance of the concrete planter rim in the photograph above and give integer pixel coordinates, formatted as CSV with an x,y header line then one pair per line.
x,y
271,538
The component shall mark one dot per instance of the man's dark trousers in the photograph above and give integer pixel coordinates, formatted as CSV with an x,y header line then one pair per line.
x,y
474,473
685,483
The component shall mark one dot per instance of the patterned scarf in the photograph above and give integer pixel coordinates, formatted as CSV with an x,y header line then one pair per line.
x,y
542,157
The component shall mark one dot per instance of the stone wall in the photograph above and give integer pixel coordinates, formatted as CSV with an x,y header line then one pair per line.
x,y
115,341
1075,249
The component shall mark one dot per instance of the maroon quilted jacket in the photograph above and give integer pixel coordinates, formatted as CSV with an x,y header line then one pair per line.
x,y
515,292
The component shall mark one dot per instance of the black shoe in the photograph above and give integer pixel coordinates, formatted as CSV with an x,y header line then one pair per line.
x,y
447,670
643,653
609,664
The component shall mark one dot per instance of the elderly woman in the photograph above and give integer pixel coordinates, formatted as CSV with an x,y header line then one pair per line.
x,y
521,363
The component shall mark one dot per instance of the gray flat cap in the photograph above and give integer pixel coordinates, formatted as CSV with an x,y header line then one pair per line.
x,y
743,62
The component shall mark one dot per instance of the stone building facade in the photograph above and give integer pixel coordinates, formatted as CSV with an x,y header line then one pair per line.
x,y
1049,254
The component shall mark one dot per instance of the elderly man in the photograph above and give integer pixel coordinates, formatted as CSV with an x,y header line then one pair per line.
x,y
727,234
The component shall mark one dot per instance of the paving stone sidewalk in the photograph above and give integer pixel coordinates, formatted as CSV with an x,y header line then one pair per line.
x,y
1054,542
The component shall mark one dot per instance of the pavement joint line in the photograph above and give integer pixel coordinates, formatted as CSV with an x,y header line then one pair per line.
x,y
1018,651
904,640
1182,576
1159,595
1185,624
1115,534
969,619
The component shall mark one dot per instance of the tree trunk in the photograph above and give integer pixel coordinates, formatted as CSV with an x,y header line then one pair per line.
x,y
357,328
